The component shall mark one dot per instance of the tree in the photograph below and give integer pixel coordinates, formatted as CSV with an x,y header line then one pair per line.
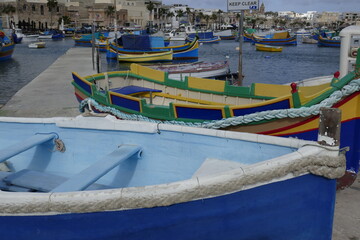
x,y
67,20
213,17
51,4
110,13
207,19
201,16
9,10
170,15
150,7
188,14
179,14
220,18
162,14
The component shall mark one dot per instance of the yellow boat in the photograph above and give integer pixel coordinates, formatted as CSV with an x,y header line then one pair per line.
x,y
147,57
267,48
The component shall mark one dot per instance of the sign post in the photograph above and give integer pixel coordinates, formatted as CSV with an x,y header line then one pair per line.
x,y
240,6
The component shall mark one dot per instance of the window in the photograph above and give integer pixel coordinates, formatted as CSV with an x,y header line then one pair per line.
x,y
42,10
33,8
24,7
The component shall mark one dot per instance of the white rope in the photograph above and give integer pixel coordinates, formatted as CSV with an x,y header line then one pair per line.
x,y
335,97
171,193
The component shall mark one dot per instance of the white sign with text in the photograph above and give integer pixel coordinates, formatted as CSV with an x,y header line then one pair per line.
x,y
237,5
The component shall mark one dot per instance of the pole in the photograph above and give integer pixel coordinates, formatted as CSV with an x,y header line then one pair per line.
x,y
240,73
93,44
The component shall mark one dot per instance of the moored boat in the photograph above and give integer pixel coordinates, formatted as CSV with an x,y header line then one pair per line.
x,y
276,39
302,32
176,35
180,52
248,37
225,35
197,69
204,37
85,39
146,57
261,108
37,45
329,42
267,48
124,180
6,47
309,39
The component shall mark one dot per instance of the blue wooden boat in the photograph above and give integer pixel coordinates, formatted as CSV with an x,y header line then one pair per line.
x,y
204,37
276,39
247,37
101,178
6,47
84,40
180,52
281,110
329,42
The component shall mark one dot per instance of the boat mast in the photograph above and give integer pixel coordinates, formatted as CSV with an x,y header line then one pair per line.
x,y
240,74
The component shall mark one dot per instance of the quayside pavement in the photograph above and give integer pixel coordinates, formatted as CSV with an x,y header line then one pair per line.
x,y
51,95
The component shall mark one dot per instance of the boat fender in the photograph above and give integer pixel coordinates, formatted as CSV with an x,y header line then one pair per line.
x,y
267,57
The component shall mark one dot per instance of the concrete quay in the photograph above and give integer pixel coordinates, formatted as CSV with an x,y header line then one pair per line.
x,y
51,95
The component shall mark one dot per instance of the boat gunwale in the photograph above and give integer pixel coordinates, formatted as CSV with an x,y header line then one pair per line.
x,y
175,192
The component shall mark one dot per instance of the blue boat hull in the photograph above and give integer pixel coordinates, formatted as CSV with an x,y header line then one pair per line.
x,y
276,42
349,138
186,54
299,208
6,52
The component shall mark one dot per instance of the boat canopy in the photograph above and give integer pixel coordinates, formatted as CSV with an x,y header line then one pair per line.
x,y
202,35
281,35
141,42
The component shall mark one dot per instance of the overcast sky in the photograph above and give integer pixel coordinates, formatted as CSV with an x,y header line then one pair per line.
x,y
300,6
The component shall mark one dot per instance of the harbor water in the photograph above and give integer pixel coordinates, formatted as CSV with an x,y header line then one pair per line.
x,y
294,63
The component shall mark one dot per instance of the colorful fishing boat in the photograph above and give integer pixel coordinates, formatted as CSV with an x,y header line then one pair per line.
x,y
180,52
261,108
102,44
100,178
198,69
329,42
276,39
147,57
6,47
225,35
85,39
248,37
302,32
204,37
267,48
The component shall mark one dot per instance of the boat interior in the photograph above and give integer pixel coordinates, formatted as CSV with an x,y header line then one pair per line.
x,y
50,158
194,90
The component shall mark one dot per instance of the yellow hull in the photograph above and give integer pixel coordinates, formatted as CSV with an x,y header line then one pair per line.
x,y
146,57
267,48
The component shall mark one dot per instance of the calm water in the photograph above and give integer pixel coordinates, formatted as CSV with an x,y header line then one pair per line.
x,y
293,64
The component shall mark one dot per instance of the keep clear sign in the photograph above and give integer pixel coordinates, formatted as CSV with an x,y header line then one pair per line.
x,y
237,5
